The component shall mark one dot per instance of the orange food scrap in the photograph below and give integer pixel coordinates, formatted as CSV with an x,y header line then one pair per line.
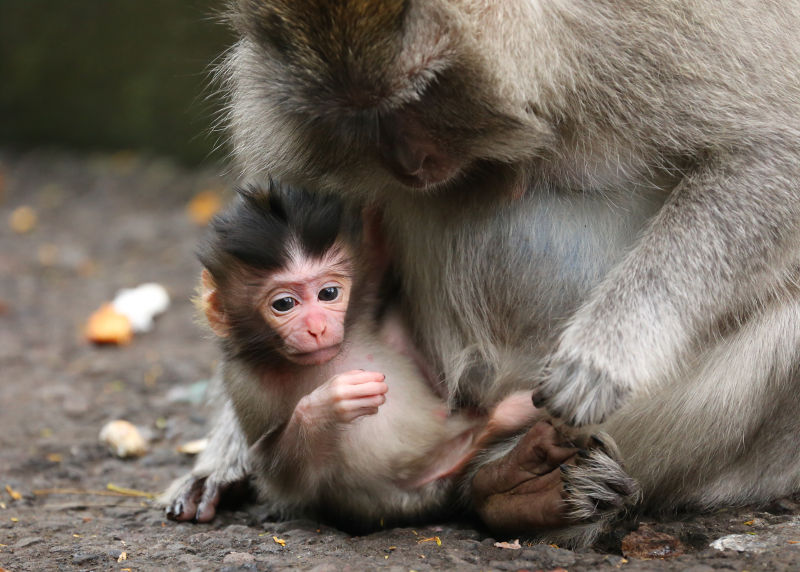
x,y
203,206
106,326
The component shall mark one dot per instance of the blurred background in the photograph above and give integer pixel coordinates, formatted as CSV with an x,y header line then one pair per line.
x,y
109,173
93,75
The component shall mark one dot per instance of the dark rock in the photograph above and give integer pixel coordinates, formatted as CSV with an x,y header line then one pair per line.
x,y
81,558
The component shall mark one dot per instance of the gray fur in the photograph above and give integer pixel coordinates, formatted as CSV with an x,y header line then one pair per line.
x,y
646,279
353,473
222,463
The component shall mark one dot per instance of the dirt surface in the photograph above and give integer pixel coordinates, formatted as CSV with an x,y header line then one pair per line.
x,y
115,221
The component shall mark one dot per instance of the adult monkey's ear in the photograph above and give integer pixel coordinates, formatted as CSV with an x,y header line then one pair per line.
x,y
211,305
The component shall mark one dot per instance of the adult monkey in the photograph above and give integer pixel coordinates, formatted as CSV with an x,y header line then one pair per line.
x,y
604,192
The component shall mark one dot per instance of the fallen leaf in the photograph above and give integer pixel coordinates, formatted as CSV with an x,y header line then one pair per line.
x,y
280,541
113,492
54,457
649,544
130,492
23,219
203,206
16,495
122,557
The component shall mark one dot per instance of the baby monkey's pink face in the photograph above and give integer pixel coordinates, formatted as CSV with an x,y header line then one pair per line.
x,y
306,304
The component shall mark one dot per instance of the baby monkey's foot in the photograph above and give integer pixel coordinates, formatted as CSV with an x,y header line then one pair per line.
x,y
196,498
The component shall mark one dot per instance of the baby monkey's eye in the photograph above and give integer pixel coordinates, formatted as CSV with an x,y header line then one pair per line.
x,y
328,294
284,304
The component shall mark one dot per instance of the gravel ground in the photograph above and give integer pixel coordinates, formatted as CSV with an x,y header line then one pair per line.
x,y
113,221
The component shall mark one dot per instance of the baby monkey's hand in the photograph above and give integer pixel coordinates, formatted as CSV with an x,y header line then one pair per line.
x,y
344,398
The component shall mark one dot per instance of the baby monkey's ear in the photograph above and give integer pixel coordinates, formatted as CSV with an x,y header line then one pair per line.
x,y
209,303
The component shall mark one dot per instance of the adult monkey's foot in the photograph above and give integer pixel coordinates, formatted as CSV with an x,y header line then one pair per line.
x,y
553,486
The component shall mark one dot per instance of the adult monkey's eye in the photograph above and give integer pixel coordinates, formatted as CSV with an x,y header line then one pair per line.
x,y
328,294
284,304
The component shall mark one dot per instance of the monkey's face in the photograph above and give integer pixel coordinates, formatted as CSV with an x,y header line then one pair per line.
x,y
306,304
360,96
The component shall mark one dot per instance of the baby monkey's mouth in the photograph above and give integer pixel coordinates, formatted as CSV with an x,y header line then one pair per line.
x,y
318,356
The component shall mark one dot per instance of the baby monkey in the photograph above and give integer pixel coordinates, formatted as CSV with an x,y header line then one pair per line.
x,y
325,400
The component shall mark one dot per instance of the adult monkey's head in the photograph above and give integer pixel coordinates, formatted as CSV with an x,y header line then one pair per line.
x,y
364,95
